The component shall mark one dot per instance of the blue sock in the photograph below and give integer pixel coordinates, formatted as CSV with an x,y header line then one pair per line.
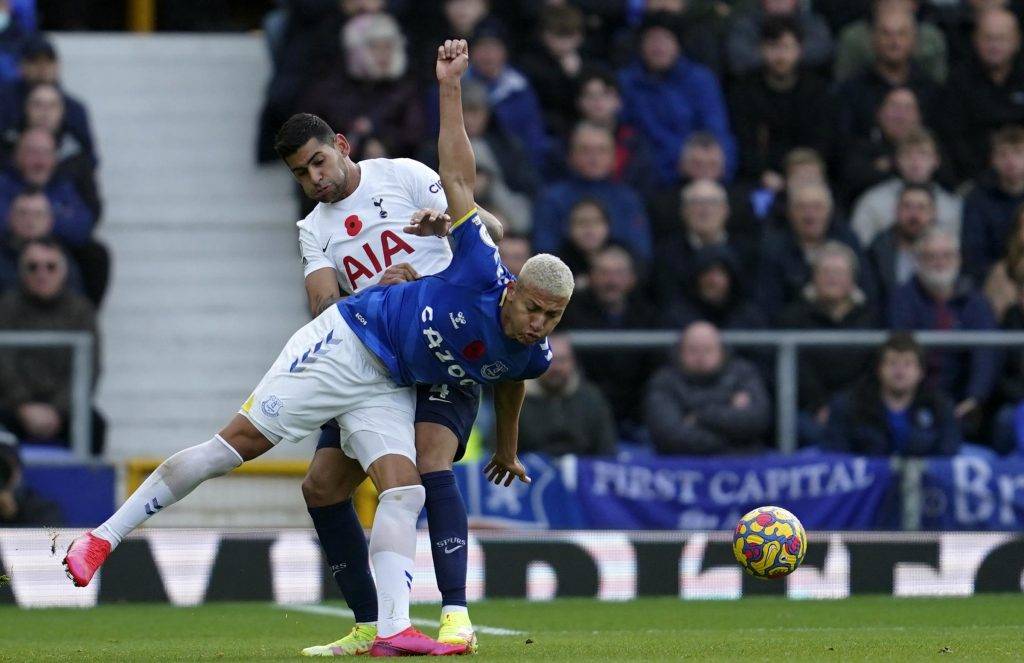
x,y
446,519
344,543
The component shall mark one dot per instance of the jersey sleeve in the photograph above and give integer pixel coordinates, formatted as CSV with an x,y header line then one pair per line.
x,y
422,183
313,257
475,261
540,360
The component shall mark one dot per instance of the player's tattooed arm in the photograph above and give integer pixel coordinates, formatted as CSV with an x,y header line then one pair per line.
x,y
322,290
504,465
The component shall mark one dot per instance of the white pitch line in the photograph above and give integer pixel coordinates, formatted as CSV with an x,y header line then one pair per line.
x,y
345,612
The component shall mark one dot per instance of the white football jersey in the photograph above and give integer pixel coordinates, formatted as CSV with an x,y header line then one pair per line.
x,y
361,235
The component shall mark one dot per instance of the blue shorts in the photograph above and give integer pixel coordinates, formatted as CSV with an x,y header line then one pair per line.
x,y
451,406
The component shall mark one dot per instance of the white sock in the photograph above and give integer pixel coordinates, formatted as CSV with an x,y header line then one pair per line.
x,y
393,550
445,609
175,478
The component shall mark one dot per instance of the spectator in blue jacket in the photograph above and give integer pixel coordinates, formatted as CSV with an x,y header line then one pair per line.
x,y
592,162
989,207
12,38
513,100
938,298
894,412
668,97
35,161
40,64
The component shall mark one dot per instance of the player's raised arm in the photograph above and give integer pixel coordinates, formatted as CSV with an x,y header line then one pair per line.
x,y
455,154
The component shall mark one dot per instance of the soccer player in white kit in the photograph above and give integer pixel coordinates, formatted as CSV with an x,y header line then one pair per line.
x,y
353,240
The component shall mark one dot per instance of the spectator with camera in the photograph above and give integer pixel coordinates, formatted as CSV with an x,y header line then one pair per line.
x,y
707,402
35,399
894,411
564,413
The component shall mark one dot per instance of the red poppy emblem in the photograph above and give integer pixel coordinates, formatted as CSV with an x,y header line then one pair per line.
x,y
353,224
474,350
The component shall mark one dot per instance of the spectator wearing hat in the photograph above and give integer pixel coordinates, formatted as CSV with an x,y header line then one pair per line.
x,y
668,97
831,301
40,64
565,413
893,38
894,411
855,52
714,292
707,401
372,95
779,107
742,41
554,65
989,209
939,298
917,162
35,402
591,161
984,93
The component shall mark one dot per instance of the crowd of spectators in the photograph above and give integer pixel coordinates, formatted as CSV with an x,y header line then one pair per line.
x,y
707,166
53,272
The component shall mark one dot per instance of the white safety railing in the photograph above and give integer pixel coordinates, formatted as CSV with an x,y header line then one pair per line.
x,y
81,378
786,345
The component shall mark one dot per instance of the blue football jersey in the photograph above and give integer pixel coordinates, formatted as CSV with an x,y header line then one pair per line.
x,y
446,328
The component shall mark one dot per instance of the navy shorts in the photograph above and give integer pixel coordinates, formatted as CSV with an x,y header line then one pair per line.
x,y
451,406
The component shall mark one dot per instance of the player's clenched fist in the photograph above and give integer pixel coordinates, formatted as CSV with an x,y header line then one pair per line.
x,y
452,59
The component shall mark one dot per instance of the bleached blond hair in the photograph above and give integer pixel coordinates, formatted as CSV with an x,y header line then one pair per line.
x,y
549,274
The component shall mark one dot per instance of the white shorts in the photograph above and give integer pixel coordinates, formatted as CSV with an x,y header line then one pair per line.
x,y
325,372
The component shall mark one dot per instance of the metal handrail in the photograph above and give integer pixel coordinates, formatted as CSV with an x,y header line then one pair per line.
x,y
81,343
786,344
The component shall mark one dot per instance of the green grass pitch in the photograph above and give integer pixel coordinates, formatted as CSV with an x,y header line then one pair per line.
x,y
871,628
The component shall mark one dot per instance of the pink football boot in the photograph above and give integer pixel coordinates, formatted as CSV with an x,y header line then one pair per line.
x,y
86,555
411,642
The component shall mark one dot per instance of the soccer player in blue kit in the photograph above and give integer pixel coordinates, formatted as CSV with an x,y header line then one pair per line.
x,y
359,362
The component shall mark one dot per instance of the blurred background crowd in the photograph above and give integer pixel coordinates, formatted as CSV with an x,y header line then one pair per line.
x,y
702,166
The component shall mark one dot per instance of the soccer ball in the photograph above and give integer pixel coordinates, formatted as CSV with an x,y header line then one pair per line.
x,y
769,542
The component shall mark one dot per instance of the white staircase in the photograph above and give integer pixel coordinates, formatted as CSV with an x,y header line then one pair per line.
x,y
206,283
